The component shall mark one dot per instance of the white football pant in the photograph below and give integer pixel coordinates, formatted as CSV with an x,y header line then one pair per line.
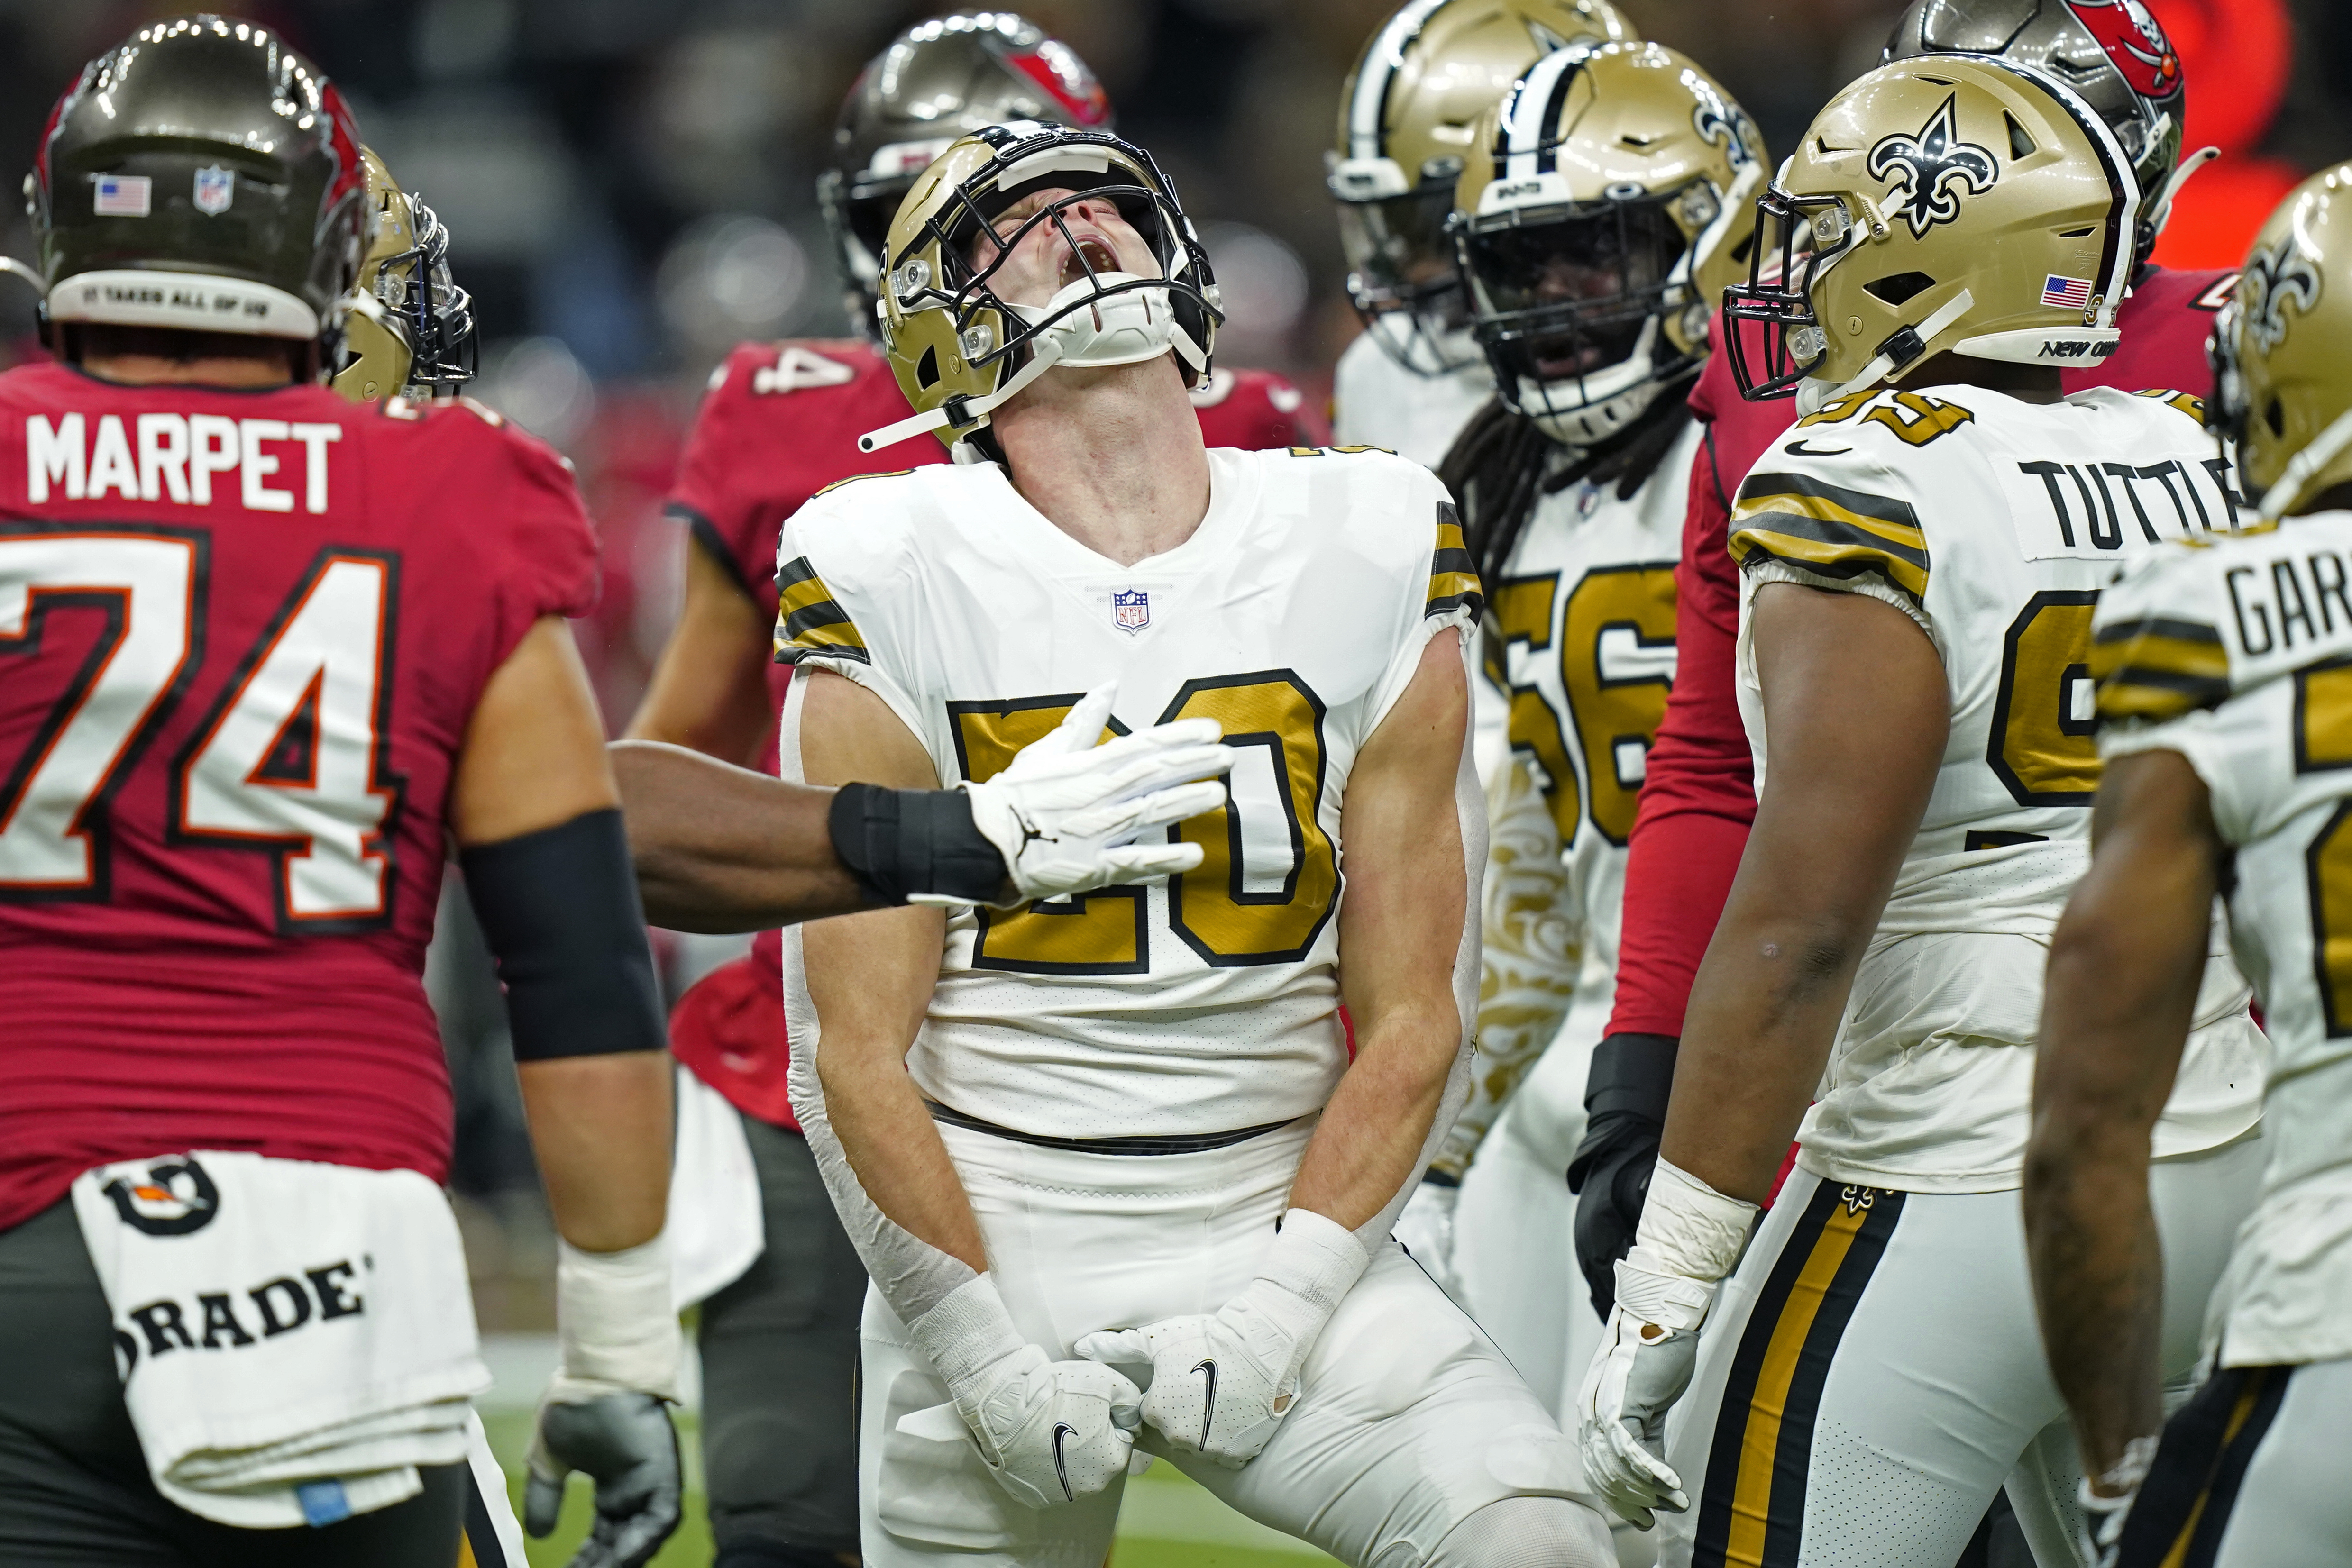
x,y
1872,1372
1407,1425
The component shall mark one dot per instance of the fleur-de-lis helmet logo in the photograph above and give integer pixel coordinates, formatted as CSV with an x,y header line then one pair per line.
x,y
1933,170
2274,275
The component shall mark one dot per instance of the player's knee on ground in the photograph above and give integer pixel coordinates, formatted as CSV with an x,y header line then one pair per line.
x,y
1528,1532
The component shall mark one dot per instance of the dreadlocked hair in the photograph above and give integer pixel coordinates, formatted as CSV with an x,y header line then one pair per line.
x,y
1502,465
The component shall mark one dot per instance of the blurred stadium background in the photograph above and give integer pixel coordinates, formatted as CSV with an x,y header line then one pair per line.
x,y
628,184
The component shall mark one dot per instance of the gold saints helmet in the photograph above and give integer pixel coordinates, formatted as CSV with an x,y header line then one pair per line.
x,y
2282,351
1608,204
1950,201
960,351
410,330
1408,119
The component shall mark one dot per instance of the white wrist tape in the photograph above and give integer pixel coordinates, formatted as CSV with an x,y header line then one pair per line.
x,y
1688,1228
967,1331
1315,1259
615,1321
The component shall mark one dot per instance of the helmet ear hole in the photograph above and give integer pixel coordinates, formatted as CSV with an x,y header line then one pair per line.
x,y
927,369
1900,288
2276,417
2020,145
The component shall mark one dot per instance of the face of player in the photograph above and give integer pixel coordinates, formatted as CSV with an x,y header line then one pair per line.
x,y
1589,281
1089,232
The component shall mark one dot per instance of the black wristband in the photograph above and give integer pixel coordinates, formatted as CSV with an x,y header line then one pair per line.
x,y
559,911
1631,1073
899,842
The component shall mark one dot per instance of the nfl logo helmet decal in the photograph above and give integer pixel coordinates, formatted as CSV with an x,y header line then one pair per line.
x,y
1130,609
167,1197
216,188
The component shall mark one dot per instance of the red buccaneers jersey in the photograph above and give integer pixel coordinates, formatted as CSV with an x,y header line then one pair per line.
x,y
241,635
1698,795
779,424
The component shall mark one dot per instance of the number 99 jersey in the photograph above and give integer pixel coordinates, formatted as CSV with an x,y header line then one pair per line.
x,y
1296,614
2239,657
1993,523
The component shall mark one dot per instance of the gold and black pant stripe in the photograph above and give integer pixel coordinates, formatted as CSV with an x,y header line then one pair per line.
x,y
2185,1504
1752,1511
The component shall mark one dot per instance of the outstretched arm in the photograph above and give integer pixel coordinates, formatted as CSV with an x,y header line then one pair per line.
x,y
2122,993
722,849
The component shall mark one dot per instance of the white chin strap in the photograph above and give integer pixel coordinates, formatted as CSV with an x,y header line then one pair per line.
x,y
1604,402
1125,328
1815,394
2161,213
2306,467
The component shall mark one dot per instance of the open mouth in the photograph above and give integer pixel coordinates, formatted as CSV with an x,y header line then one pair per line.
x,y
1086,255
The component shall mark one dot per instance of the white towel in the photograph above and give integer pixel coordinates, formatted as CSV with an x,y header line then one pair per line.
x,y
295,1339
716,1224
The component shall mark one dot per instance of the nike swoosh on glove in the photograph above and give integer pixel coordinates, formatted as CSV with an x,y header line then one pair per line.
x,y
1051,1432
1222,1382
1644,1364
1066,812
625,1444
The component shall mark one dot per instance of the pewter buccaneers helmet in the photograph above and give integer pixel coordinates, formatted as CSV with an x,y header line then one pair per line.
x,y
2113,53
960,351
1954,203
1407,118
938,80
2282,351
411,329
202,175
1608,205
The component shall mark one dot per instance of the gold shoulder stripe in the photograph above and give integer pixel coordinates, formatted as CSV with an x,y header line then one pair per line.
x,y
808,621
2158,668
1452,572
1830,531
2187,402
854,478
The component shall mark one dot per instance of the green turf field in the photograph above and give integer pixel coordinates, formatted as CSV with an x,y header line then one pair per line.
x,y
1168,1522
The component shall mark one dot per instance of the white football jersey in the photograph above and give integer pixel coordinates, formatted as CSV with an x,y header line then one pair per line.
x,y
1585,614
1993,523
1296,613
2240,657
1375,401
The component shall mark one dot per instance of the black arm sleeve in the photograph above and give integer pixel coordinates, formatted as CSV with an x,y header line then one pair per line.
x,y
559,908
897,842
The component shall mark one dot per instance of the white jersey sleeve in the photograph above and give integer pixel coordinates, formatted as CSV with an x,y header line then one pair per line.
x,y
2239,657
1993,524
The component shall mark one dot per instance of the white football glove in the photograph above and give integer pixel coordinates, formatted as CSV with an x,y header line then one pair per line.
x,y
1690,1237
1051,1432
1426,1226
1066,812
2103,1513
606,1413
1222,1382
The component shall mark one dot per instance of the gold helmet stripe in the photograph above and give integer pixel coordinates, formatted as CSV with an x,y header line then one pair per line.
x,y
1368,111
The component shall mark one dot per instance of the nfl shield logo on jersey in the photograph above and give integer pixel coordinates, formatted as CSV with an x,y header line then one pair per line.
x,y
1131,610
216,187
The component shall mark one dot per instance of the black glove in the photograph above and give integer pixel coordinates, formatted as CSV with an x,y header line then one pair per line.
x,y
1625,1112
625,1444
